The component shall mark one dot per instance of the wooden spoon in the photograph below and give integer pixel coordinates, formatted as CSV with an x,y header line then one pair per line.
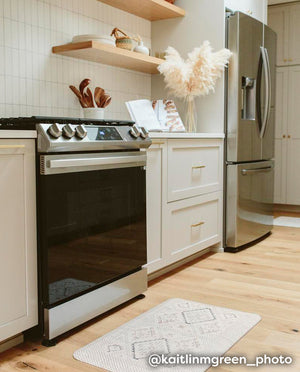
x,y
79,96
83,85
103,99
89,98
97,95
107,102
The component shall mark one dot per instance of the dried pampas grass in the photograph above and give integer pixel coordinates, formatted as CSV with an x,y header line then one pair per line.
x,y
194,77
197,75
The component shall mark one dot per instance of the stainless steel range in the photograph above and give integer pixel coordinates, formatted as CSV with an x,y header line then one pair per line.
x,y
91,218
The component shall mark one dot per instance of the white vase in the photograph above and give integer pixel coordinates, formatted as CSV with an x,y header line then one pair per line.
x,y
93,113
191,116
141,48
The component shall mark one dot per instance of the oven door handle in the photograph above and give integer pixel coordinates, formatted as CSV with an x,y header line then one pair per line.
x,y
87,162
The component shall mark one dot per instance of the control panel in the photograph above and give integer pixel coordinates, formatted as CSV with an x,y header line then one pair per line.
x,y
82,137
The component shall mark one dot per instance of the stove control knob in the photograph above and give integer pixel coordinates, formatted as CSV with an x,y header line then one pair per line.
x,y
144,132
134,131
81,132
54,131
68,131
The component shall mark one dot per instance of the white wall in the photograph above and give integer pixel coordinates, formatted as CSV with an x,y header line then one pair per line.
x,y
205,20
33,81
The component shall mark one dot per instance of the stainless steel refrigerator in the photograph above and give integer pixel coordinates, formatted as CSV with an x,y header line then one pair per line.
x,y
250,117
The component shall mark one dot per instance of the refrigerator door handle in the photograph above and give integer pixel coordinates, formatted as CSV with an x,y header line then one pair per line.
x,y
267,70
256,170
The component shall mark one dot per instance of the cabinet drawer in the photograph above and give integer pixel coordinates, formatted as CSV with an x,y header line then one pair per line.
x,y
193,224
194,168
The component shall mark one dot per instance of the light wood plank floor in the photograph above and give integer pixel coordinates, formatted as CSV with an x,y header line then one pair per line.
x,y
264,279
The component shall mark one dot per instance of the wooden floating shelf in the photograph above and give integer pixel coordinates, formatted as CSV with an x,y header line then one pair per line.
x,y
153,10
109,55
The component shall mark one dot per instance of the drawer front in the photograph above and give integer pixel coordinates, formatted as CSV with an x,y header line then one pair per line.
x,y
194,168
193,224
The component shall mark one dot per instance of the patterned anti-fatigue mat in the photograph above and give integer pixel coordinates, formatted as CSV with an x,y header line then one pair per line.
x,y
174,327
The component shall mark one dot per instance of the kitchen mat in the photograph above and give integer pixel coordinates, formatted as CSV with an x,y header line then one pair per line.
x,y
176,326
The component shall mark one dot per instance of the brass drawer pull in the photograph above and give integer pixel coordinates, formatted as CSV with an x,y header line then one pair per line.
x,y
12,146
198,167
198,224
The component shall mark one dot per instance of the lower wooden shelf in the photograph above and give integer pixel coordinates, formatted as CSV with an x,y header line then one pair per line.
x,y
109,55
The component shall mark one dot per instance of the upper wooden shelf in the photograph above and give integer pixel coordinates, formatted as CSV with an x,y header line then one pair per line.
x,y
153,10
109,55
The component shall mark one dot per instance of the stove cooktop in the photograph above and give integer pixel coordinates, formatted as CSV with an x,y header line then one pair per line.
x,y
29,123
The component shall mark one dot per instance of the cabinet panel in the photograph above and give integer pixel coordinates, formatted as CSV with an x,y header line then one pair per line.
x,y
278,20
12,247
18,251
282,75
294,102
293,142
293,172
193,224
156,159
294,35
194,168
280,171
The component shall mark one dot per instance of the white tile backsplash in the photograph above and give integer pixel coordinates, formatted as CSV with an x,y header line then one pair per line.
x,y
33,81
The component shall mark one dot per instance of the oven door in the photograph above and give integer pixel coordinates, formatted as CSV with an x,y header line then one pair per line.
x,y
92,221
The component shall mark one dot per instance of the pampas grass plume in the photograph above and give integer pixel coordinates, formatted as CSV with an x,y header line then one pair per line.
x,y
197,75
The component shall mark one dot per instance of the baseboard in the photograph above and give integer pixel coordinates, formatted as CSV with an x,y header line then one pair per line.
x,y
286,208
217,248
11,342
177,264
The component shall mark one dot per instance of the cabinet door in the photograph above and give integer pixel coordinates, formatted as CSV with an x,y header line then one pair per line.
x,y
293,142
254,8
280,171
156,162
192,225
294,35
281,106
194,167
18,250
278,20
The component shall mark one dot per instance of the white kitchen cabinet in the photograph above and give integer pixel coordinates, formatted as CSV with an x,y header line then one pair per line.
x,y
156,162
255,8
184,199
293,138
287,136
18,247
294,34
200,168
193,224
285,21
278,19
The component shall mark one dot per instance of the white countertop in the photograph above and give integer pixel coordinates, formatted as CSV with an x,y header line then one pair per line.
x,y
173,135
18,133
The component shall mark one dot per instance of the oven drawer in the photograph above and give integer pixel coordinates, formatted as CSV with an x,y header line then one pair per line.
x,y
193,224
194,168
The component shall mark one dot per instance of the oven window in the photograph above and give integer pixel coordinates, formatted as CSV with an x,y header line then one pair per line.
x,y
92,229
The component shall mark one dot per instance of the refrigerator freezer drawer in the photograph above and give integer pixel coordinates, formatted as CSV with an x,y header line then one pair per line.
x,y
249,209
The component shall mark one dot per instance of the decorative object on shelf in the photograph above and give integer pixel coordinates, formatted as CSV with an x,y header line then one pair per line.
x,y
125,41
171,1
141,48
160,55
194,77
103,39
93,105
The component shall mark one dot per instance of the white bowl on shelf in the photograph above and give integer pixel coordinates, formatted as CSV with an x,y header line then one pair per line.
x,y
93,113
103,39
